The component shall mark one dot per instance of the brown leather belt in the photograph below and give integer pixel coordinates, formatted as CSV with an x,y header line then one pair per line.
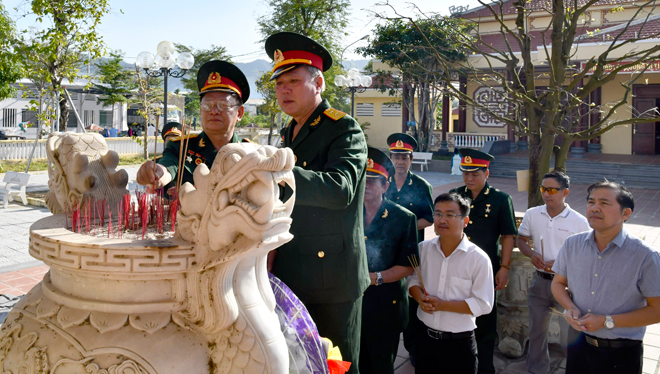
x,y
610,343
543,275
442,335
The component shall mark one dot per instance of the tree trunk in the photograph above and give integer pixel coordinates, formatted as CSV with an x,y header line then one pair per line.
x,y
562,155
272,124
539,163
64,112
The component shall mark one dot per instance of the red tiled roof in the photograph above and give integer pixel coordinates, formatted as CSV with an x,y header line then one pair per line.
x,y
533,5
642,28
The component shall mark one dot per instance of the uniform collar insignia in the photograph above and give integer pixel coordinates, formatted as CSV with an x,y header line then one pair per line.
x,y
487,191
201,142
410,183
315,122
385,213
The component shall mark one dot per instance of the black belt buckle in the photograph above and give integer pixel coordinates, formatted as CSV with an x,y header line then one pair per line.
x,y
592,341
545,275
435,334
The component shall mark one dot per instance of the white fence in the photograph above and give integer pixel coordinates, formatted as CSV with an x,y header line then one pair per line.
x,y
471,140
21,149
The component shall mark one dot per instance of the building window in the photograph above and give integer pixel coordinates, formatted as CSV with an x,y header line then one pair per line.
x,y
105,118
29,116
364,109
90,97
74,95
88,117
391,110
73,121
9,117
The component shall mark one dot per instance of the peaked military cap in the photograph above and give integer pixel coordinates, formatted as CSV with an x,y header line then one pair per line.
x,y
473,160
379,164
289,50
222,76
401,143
171,129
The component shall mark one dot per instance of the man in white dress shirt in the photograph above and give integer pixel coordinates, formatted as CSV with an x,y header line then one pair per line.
x,y
456,286
548,226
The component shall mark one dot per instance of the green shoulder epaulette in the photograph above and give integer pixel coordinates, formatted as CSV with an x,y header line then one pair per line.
x,y
335,114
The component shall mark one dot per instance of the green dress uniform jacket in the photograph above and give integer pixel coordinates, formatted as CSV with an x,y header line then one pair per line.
x,y
326,261
491,215
390,239
416,195
200,151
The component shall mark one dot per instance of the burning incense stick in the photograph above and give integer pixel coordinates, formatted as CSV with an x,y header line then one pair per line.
x,y
555,312
418,271
185,140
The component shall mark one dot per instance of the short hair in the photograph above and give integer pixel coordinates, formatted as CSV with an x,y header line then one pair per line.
x,y
463,203
561,178
623,196
316,72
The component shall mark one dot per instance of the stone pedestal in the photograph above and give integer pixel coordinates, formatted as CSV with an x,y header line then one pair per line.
x,y
578,152
595,148
523,145
513,313
444,150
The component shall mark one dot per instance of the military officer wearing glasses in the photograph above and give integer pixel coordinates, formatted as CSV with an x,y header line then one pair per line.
x,y
415,194
491,220
390,234
223,89
325,264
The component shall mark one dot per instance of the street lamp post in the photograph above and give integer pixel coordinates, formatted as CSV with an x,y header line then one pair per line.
x,y
163,65
353,83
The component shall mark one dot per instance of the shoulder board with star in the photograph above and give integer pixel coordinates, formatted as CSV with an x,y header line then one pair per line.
x,y
191,136
335,114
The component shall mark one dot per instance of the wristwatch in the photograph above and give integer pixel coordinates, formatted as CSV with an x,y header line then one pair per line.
x,y
609,322
379,278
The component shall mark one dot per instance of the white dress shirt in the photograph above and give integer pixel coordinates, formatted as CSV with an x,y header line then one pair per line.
x,y
466,275
538,224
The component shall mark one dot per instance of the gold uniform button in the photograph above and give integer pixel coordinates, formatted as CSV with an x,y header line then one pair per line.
x,y
471,206
365,237
410,204
304,163
393,301
468,238
397,198
470,222
321,254
486,215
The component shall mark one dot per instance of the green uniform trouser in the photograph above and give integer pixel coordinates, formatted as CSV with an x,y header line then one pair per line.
x,y
342,324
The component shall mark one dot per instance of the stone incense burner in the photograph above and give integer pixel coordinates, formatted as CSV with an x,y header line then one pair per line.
x,y
199,302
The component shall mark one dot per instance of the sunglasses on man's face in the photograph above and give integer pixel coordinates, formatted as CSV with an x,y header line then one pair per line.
x,y
550,190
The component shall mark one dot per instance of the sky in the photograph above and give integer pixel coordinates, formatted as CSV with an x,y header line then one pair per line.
x,y
134,26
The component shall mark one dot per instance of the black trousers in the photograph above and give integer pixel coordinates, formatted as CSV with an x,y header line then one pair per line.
x,y
450,356
342,324
486,335
410,330
584,358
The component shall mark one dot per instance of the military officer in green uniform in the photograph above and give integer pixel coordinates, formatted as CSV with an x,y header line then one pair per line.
x,y
491,218
390,234
415,194
223,89
170,131
325,264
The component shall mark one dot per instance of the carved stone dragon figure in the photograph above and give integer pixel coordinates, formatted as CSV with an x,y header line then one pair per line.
x,y
197,303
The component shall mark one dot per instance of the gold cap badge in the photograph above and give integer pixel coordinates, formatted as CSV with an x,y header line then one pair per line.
x,y
278,56
214,78
399,144
370,163
468,159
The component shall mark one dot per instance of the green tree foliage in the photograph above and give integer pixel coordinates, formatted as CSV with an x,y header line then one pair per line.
x,y
116,82
189,80
70,30
266,88
10,66
404,46
321,20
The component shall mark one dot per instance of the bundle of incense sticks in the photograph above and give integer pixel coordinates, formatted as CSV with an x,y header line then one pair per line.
x,y
555,312
418,271
183,152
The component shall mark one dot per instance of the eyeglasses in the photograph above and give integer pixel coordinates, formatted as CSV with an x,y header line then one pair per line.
x,y
222,106
551,190
439,215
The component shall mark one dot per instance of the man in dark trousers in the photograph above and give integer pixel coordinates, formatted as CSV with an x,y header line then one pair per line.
x,y
390,234
415,194
325,264
491,219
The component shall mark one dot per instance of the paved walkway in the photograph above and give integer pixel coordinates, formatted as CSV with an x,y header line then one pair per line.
x,y
19,272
